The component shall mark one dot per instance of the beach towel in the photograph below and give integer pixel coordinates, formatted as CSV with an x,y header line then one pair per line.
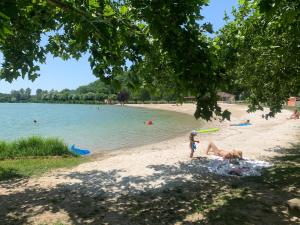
x,y
245,167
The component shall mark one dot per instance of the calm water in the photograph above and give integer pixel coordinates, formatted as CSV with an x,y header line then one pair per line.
x,y
90,126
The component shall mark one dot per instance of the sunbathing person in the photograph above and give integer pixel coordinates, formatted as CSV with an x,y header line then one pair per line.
x,y
246,122
295,115
234,154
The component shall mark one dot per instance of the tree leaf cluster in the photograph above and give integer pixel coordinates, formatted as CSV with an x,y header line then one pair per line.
x,y
259,52
161,46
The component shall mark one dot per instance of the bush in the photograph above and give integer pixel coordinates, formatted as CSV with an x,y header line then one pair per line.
x,y
33,146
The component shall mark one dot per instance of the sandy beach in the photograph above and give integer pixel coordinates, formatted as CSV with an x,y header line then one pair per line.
x,y
262,140
151,167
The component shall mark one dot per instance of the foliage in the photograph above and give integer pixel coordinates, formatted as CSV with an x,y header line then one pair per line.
x,y
144,95
95,92
123,96
259,52
5,97
180,57
161,46
114,33
32,147
21,95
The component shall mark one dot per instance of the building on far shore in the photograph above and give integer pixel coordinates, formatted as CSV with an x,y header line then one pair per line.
x,y
189,99
226,97
294,101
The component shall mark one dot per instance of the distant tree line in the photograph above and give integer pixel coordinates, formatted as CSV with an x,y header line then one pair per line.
x,y
96,92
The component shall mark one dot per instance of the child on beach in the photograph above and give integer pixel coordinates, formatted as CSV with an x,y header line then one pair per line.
x,y
192,142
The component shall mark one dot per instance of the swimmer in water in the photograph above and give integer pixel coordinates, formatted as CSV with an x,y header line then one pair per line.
x,y
148,122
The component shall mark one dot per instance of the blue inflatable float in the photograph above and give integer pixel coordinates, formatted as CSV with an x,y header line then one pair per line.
x,y
244,124
241,124
79,151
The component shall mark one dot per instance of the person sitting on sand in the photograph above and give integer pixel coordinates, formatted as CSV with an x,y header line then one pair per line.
x,y
192,142
295,115
241,123
234,154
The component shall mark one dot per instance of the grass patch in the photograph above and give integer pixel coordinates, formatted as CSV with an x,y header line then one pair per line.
x,y
33,147
34,156
17,168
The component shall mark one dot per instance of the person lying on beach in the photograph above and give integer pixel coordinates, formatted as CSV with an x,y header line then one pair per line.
x,y
234,154
241,123
295,115
192,142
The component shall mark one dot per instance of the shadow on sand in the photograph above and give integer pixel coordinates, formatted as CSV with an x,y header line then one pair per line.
x,y
178,194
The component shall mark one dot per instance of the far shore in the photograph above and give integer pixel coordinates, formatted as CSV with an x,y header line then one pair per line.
x,y
128,171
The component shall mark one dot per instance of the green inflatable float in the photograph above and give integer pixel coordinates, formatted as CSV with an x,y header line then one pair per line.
x,y
208,130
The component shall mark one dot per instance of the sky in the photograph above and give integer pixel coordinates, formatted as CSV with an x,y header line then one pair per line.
x,y
58,74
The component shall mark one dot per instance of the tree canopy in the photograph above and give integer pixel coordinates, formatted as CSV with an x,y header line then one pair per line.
x,y
164,42
259,52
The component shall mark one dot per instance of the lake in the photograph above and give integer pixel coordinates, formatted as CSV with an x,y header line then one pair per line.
x,y
104,127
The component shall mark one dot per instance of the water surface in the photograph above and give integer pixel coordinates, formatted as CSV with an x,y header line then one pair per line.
x,y
95,127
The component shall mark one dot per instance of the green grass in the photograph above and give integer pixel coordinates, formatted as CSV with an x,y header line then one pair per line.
x,y
33,147
34,156
18,168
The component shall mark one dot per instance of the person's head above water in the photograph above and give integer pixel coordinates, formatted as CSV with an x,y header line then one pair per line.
x,y
149,122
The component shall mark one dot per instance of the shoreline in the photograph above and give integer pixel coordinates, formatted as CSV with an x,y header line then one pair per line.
x,y
227,137
238,113
260,127
221,137
104,153
154,167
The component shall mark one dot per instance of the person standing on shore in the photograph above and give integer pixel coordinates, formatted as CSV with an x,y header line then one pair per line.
x,y
193,143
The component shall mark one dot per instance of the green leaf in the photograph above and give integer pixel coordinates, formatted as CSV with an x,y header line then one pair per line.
x,y
116,84
94,3
241,2
123,9
141,25
108,11
4,16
